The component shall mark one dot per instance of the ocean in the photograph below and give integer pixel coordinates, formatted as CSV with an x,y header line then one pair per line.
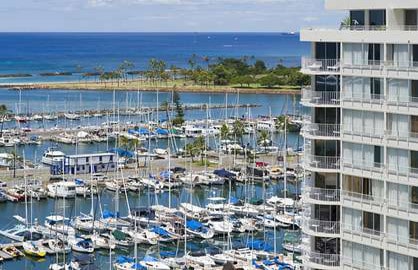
x,y
36,53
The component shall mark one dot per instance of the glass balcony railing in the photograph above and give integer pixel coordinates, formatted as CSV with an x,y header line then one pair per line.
x,y
311,97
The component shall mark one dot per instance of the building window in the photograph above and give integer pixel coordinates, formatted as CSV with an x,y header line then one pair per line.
x,y
100,158
327,50
87,159
377,156
375,88
413,230
414,195
357,17
374,54
371,223
377,17
411,17
414,161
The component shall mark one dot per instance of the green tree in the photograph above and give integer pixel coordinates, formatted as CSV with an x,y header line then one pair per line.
x,y
179,119
224,132
3,113
244,79
263,139
200,145
259,67
269,80
221,75
238,130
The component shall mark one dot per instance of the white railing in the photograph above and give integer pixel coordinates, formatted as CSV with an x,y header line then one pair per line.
x,y
362,198
322,162
362,231
320,97
332,260
396,170
363,27
363,165
363,131
395,135
365,99
403,206
360,265
320,65
321,130
402,100
321,226
322,194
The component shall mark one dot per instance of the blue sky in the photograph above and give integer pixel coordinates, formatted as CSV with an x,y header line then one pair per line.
x,y
164,15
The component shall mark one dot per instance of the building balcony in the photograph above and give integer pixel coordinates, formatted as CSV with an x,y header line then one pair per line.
x,y
402,244
320,228
363,168
321,163
318,260
402,208
362,201
321,131
405,140
359,234
312,98
314,66
351,263
314,195
357,102
402,174
362,134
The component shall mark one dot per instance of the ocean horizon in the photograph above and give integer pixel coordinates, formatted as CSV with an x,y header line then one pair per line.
x,y
42,52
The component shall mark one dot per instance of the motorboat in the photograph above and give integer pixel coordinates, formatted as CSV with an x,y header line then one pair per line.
x,y
52,157
62,189
203,260
123,263
33,250
143,236
110,220
122,239
12,251
193,211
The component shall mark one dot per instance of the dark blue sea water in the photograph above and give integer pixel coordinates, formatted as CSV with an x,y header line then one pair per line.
x,y
35,53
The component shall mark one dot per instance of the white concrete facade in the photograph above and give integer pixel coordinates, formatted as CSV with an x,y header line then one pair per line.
x,y
361,138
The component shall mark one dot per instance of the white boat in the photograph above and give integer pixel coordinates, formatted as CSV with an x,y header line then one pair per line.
x,y
59,224
193,211
221,226
143,236
268,221
105,241
152,183
52,157
72,116
87,223
222,258
61,189
33,250
58,246
204,260
21,233
295,248
218,208
243,254
151,263
198,229
81,245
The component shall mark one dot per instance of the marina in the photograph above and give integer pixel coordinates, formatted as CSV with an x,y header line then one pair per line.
x,y
124,187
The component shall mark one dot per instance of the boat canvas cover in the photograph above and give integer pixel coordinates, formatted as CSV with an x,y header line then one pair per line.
x,y
79,182
121,152
194,225
224,173
233,200
259,245
165,174
119,235
161,131
124,259
138,266
160,231
86,243
148,258
107,214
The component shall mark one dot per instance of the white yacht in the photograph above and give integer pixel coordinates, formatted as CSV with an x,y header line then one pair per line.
x,y
52,156
61,189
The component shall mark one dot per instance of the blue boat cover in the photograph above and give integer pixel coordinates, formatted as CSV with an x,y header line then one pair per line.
x,y
121,152
160,231
167,254
138,266
108,214
259,245
148,258
161,131
233,200
194,224
124,259
224,173
165,174
79,182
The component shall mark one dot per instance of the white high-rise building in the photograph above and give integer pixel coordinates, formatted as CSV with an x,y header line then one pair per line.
x,y
361,200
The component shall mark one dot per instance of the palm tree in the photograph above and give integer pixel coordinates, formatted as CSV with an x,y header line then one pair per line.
x,y
129,144
238,130
99,70
224,132
263,139
199,145
15,158
3,113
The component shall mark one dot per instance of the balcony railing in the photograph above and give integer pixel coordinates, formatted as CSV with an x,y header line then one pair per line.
x,y
365,99
361,265
363,131
395,135
320,97
321,226
322,162
403,206
402,100
364,28
362,198
320,65
331,260
321,130
322,194
362,231
363,165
